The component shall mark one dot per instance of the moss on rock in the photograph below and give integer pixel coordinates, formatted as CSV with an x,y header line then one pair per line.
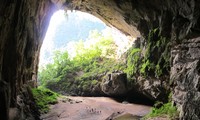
x,y
43,97
157,54
153,61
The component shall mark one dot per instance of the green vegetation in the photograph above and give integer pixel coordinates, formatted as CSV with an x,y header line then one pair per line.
x,y
133,57
55,71
164,110
79,74
95,57
43,97
156,58
167,110
151,62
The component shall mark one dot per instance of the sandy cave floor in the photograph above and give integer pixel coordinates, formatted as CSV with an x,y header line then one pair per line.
x,y
92,108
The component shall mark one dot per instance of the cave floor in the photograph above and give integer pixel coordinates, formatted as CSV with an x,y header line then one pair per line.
x,y
94,108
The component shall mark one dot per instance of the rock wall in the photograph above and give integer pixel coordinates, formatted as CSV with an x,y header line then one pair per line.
x,y
185,75
23,24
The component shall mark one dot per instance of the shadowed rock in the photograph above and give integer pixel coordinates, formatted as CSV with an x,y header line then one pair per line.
x,y
114,84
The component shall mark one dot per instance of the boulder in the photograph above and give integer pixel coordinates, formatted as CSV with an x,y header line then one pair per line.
x,y
114,84
152,88
96,90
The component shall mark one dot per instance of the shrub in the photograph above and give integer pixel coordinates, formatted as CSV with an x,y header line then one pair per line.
x,y
167,110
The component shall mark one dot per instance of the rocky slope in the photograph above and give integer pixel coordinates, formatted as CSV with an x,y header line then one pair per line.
x,y
23,25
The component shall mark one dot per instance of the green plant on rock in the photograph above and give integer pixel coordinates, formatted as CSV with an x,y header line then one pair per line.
x,y
132,62
43,97
94,82
146,67
167,110
155,61
158,71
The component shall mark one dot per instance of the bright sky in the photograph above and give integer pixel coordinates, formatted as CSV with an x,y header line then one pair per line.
x,y
59,17
48,43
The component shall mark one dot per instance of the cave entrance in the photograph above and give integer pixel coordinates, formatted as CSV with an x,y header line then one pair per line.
x,y
73,26
78,51
68,30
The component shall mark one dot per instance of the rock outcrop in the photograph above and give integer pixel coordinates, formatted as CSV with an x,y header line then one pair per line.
x,y
23,25
154,89
114,84
185,75
26,108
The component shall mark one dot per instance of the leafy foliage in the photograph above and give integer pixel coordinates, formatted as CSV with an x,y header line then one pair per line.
x,y
132,62
83,71
96,56
156,57
153,61
43,98
56,70
167,110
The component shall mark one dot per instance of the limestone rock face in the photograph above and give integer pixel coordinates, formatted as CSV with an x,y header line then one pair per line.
x,y
175,18
22,28
185,75
114,84
154,89
115,12
26,109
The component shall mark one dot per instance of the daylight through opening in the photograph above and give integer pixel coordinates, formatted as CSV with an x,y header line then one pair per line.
x,y
82,56
66,28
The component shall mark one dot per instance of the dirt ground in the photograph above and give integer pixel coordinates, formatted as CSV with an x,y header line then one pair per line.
x,y
94,108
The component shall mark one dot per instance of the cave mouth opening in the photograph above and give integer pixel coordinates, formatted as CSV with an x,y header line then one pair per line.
x,y
65,29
